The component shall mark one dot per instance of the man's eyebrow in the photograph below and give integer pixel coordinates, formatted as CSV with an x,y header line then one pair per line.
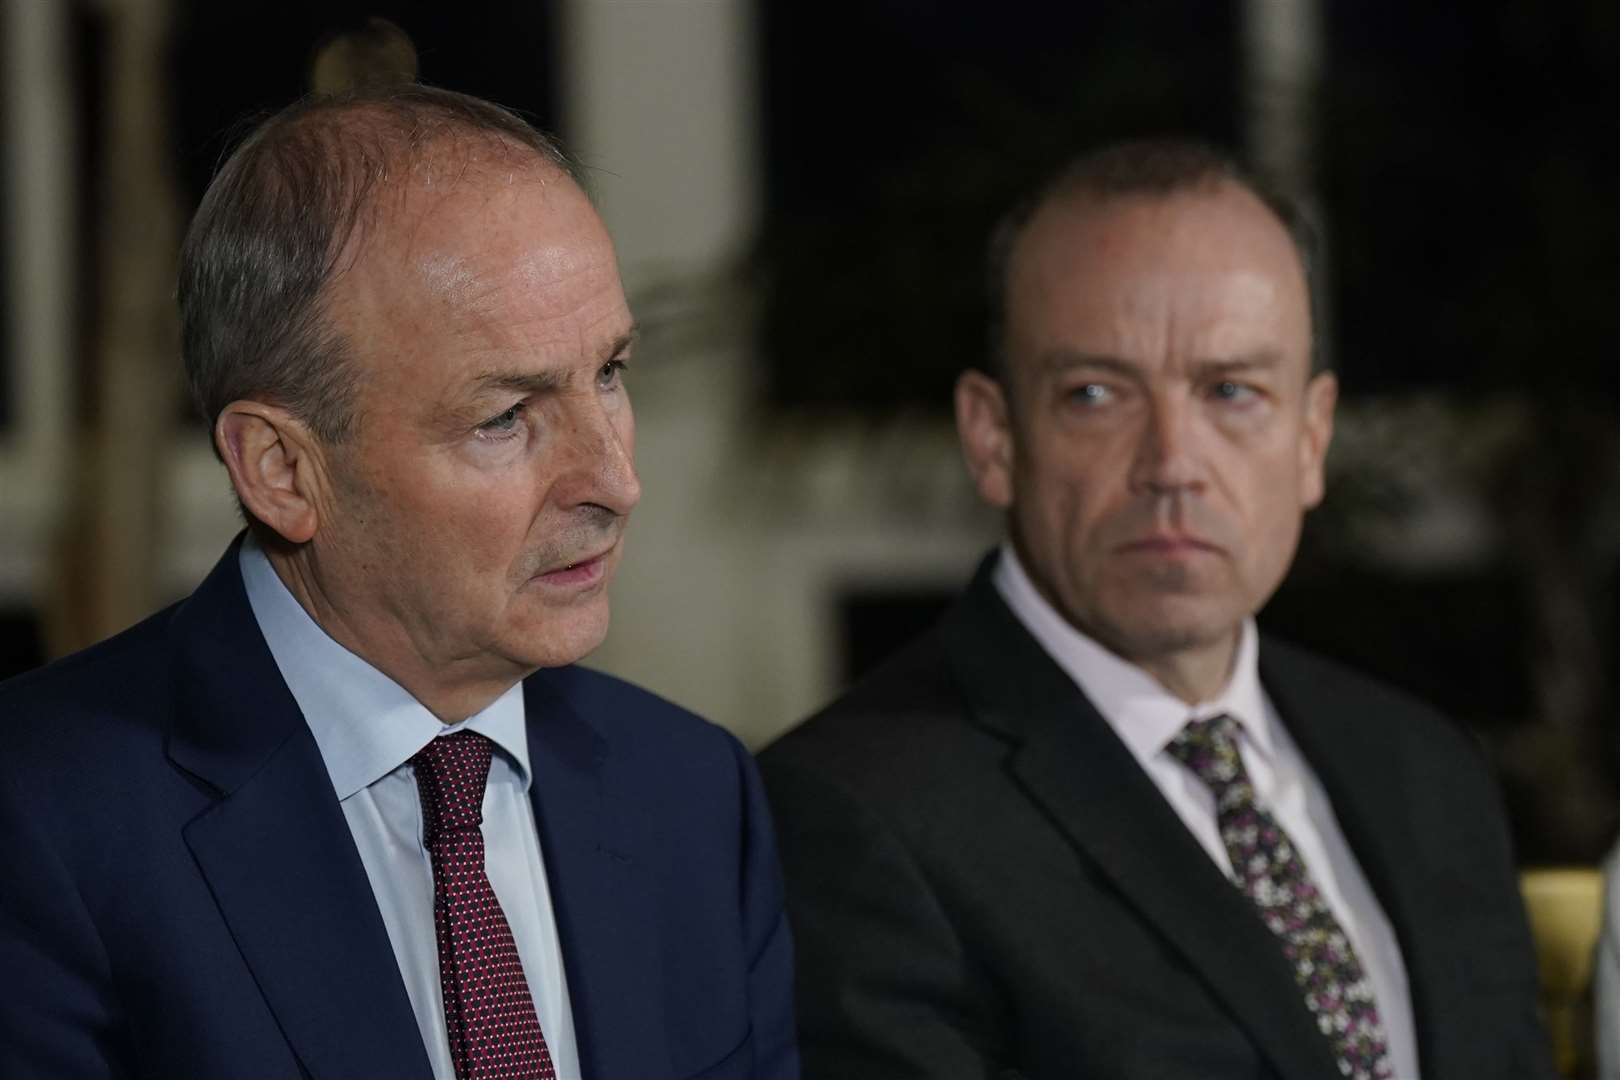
x,y
540,382
1061,360
522,382
1259,359
624,341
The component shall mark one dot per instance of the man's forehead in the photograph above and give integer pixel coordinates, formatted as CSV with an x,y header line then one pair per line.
x,y
500,229
1210,246
461,276
1151,288
434,204
494,275
1202,225
1211,269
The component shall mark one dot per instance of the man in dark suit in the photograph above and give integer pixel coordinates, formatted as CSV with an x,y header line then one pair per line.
x,y
349,811
1092,824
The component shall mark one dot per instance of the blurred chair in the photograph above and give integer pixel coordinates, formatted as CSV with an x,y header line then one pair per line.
x,y
1566,909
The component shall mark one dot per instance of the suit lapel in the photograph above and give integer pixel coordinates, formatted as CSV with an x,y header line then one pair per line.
x,y
276,851
606,916
1369,791
1071,764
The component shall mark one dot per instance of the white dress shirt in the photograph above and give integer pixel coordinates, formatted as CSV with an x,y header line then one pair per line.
x,y
1146,717
368,727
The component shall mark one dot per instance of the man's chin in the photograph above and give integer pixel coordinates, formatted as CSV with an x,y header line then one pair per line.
x,y
1162,625
1170,637
564,637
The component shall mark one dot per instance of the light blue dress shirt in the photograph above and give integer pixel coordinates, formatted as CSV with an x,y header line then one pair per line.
x,y
367,727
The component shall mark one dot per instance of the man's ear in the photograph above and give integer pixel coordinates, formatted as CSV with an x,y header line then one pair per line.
x,y
274,465
983,425
1316,433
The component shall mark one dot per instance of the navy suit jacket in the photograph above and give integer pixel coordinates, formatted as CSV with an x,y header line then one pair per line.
x,y
180,896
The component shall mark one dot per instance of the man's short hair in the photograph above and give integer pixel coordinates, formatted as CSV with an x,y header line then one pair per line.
x,y
274,226
1152,168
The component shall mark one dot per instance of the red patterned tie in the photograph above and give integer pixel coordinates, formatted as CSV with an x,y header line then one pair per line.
x,y
494,1033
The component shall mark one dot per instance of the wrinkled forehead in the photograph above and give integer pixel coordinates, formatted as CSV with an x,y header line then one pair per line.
x,y
506,262
466,233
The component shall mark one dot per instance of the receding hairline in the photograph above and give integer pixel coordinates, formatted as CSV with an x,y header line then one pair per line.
x,y
1150,170
414,136
1084,201
398,155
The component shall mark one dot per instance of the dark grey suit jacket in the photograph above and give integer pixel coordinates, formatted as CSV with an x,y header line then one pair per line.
x,y
983,882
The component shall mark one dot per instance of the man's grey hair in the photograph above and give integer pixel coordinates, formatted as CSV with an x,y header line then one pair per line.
x,y
276,223
1152,168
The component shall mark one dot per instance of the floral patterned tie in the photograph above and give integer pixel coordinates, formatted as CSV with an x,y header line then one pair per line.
x,y
1266,866
488,1012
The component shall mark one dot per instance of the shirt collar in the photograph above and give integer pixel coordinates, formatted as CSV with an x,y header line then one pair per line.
x,y
365,724
1142,712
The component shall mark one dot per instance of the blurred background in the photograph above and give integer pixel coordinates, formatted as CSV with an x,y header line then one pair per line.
x,y
800,195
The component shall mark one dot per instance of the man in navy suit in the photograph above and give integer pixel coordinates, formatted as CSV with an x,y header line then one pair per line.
x,y
349,810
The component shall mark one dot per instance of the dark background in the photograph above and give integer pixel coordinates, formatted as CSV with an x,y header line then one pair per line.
x,y
1466,181
1466,188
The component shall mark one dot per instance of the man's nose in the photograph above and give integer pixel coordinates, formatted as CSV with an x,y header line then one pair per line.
x,y
601,469
1167,447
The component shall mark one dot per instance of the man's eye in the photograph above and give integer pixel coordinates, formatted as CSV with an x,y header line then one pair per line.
x,y
1090,394
502,425
1227,390
611,374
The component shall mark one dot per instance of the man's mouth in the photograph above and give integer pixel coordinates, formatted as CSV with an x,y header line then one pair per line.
x,y
1168,544
582,571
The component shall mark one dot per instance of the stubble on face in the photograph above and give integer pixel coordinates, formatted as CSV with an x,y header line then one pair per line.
x,y
1163,438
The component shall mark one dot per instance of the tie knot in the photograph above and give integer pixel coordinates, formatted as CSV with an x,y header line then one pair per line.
x,y
1209,748
451,772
